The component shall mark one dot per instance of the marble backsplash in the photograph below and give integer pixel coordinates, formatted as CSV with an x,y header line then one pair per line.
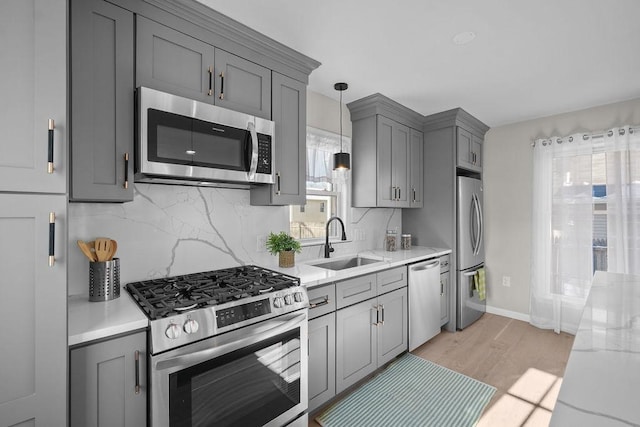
x,y
170,230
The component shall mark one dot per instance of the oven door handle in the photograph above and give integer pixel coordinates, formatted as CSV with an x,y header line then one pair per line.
x,y
253,166
213,352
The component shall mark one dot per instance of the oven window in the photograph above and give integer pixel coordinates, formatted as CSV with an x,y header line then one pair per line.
x,y
248,387
177,139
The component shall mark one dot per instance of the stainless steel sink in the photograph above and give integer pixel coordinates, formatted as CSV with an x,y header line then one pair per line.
x,y
342,264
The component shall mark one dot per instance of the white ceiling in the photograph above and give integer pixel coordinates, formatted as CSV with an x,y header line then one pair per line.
x,y
531,58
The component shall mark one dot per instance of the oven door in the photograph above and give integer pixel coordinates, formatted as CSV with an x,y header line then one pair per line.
x,y
252,376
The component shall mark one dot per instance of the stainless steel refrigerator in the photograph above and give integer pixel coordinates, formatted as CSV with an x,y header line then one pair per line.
x,y
470,250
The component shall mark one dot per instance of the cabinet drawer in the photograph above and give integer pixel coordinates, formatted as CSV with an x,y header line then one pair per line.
x,y
354,290
390,280
444,263
322,300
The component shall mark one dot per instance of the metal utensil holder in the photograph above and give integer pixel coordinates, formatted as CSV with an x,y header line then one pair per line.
x,y
104,280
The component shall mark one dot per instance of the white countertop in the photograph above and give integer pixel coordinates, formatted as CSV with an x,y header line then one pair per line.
x,y
90,321
603,372
311,276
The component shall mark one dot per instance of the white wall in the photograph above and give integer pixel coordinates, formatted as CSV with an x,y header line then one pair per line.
x,y
170,230
508,188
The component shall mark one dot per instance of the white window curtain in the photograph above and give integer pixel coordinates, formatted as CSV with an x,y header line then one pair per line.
x,y
564,173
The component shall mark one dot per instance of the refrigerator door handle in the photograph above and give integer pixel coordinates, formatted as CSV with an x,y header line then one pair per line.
x,y
481,223
475,225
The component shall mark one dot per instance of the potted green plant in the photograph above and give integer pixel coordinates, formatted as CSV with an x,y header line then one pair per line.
x,y
285,246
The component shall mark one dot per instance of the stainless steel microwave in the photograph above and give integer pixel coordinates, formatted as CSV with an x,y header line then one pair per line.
x,y
180,140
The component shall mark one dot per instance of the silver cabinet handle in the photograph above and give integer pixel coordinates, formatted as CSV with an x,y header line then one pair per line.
x,y
323,301
136,356
377,322
52,239
399,193
414,194
441,288
278,183
382,317
52,126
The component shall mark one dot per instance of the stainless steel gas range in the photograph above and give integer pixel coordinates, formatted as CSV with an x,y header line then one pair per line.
x,y
227,348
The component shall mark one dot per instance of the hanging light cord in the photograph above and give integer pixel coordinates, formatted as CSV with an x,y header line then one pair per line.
x,y
341,121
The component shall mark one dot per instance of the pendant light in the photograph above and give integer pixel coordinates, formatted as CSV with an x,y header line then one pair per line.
x,y
341,160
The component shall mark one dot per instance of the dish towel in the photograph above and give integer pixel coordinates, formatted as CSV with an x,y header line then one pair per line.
x,y
480,285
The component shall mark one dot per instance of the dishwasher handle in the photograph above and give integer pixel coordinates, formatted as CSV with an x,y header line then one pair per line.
x,y
420,267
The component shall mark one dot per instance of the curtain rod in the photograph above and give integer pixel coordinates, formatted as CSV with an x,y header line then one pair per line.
x,y
585,136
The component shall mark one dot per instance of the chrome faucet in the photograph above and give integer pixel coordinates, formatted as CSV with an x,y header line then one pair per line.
x,y
327,246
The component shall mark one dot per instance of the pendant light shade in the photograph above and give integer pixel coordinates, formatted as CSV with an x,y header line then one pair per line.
x,y
341,160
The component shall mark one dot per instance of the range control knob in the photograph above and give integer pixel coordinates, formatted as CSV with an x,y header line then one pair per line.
x,y
298,296
173,331
190,326
278,302
288,299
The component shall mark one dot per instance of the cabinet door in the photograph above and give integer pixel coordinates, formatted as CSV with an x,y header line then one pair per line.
x,y
392,331
400,163
33,307
386,191
417,169
242,85
173,62
444,298
322,360
354,290
34,91
102,102
102,386
356,343
392,279
289,112
469,150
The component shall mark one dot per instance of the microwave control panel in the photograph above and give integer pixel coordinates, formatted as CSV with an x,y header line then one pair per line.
x,y
264,154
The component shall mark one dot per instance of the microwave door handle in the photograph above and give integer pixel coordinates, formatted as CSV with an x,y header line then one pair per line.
x,y
253,165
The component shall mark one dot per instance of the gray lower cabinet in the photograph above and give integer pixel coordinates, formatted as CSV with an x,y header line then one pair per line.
x,y
322,359
34,94
108,384
102,102
33,309
289,112
171,61
368,335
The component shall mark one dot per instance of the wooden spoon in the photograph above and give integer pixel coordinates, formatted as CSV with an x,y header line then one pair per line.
x,y
114,248
103,248
86,250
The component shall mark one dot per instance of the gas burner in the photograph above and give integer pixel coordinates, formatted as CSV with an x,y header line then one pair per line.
x,y
170,296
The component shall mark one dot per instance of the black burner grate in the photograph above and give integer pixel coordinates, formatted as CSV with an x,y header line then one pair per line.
x,y
171,295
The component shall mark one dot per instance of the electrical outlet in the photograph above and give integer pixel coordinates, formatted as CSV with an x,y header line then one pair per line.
x,y
506,281
261,243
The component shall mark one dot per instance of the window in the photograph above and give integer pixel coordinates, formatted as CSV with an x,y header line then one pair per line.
x,y
328,191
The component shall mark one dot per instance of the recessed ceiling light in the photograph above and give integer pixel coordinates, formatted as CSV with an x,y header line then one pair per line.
x,y
464,38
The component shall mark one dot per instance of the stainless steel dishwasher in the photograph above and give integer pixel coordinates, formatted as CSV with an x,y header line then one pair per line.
x,y
424,302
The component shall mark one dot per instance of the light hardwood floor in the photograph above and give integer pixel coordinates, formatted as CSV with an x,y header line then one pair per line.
x,y
525,364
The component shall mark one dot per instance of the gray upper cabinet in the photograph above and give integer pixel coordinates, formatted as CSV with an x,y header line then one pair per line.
x,y
469,148
385,134
34,93
242,85
33,308
416,152
173,62
289,112
102,102
107,385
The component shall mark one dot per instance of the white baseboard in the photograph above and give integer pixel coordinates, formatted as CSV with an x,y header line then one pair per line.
x,y
508,313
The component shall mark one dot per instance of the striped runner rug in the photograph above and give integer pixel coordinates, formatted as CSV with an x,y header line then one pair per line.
x,y
412,392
